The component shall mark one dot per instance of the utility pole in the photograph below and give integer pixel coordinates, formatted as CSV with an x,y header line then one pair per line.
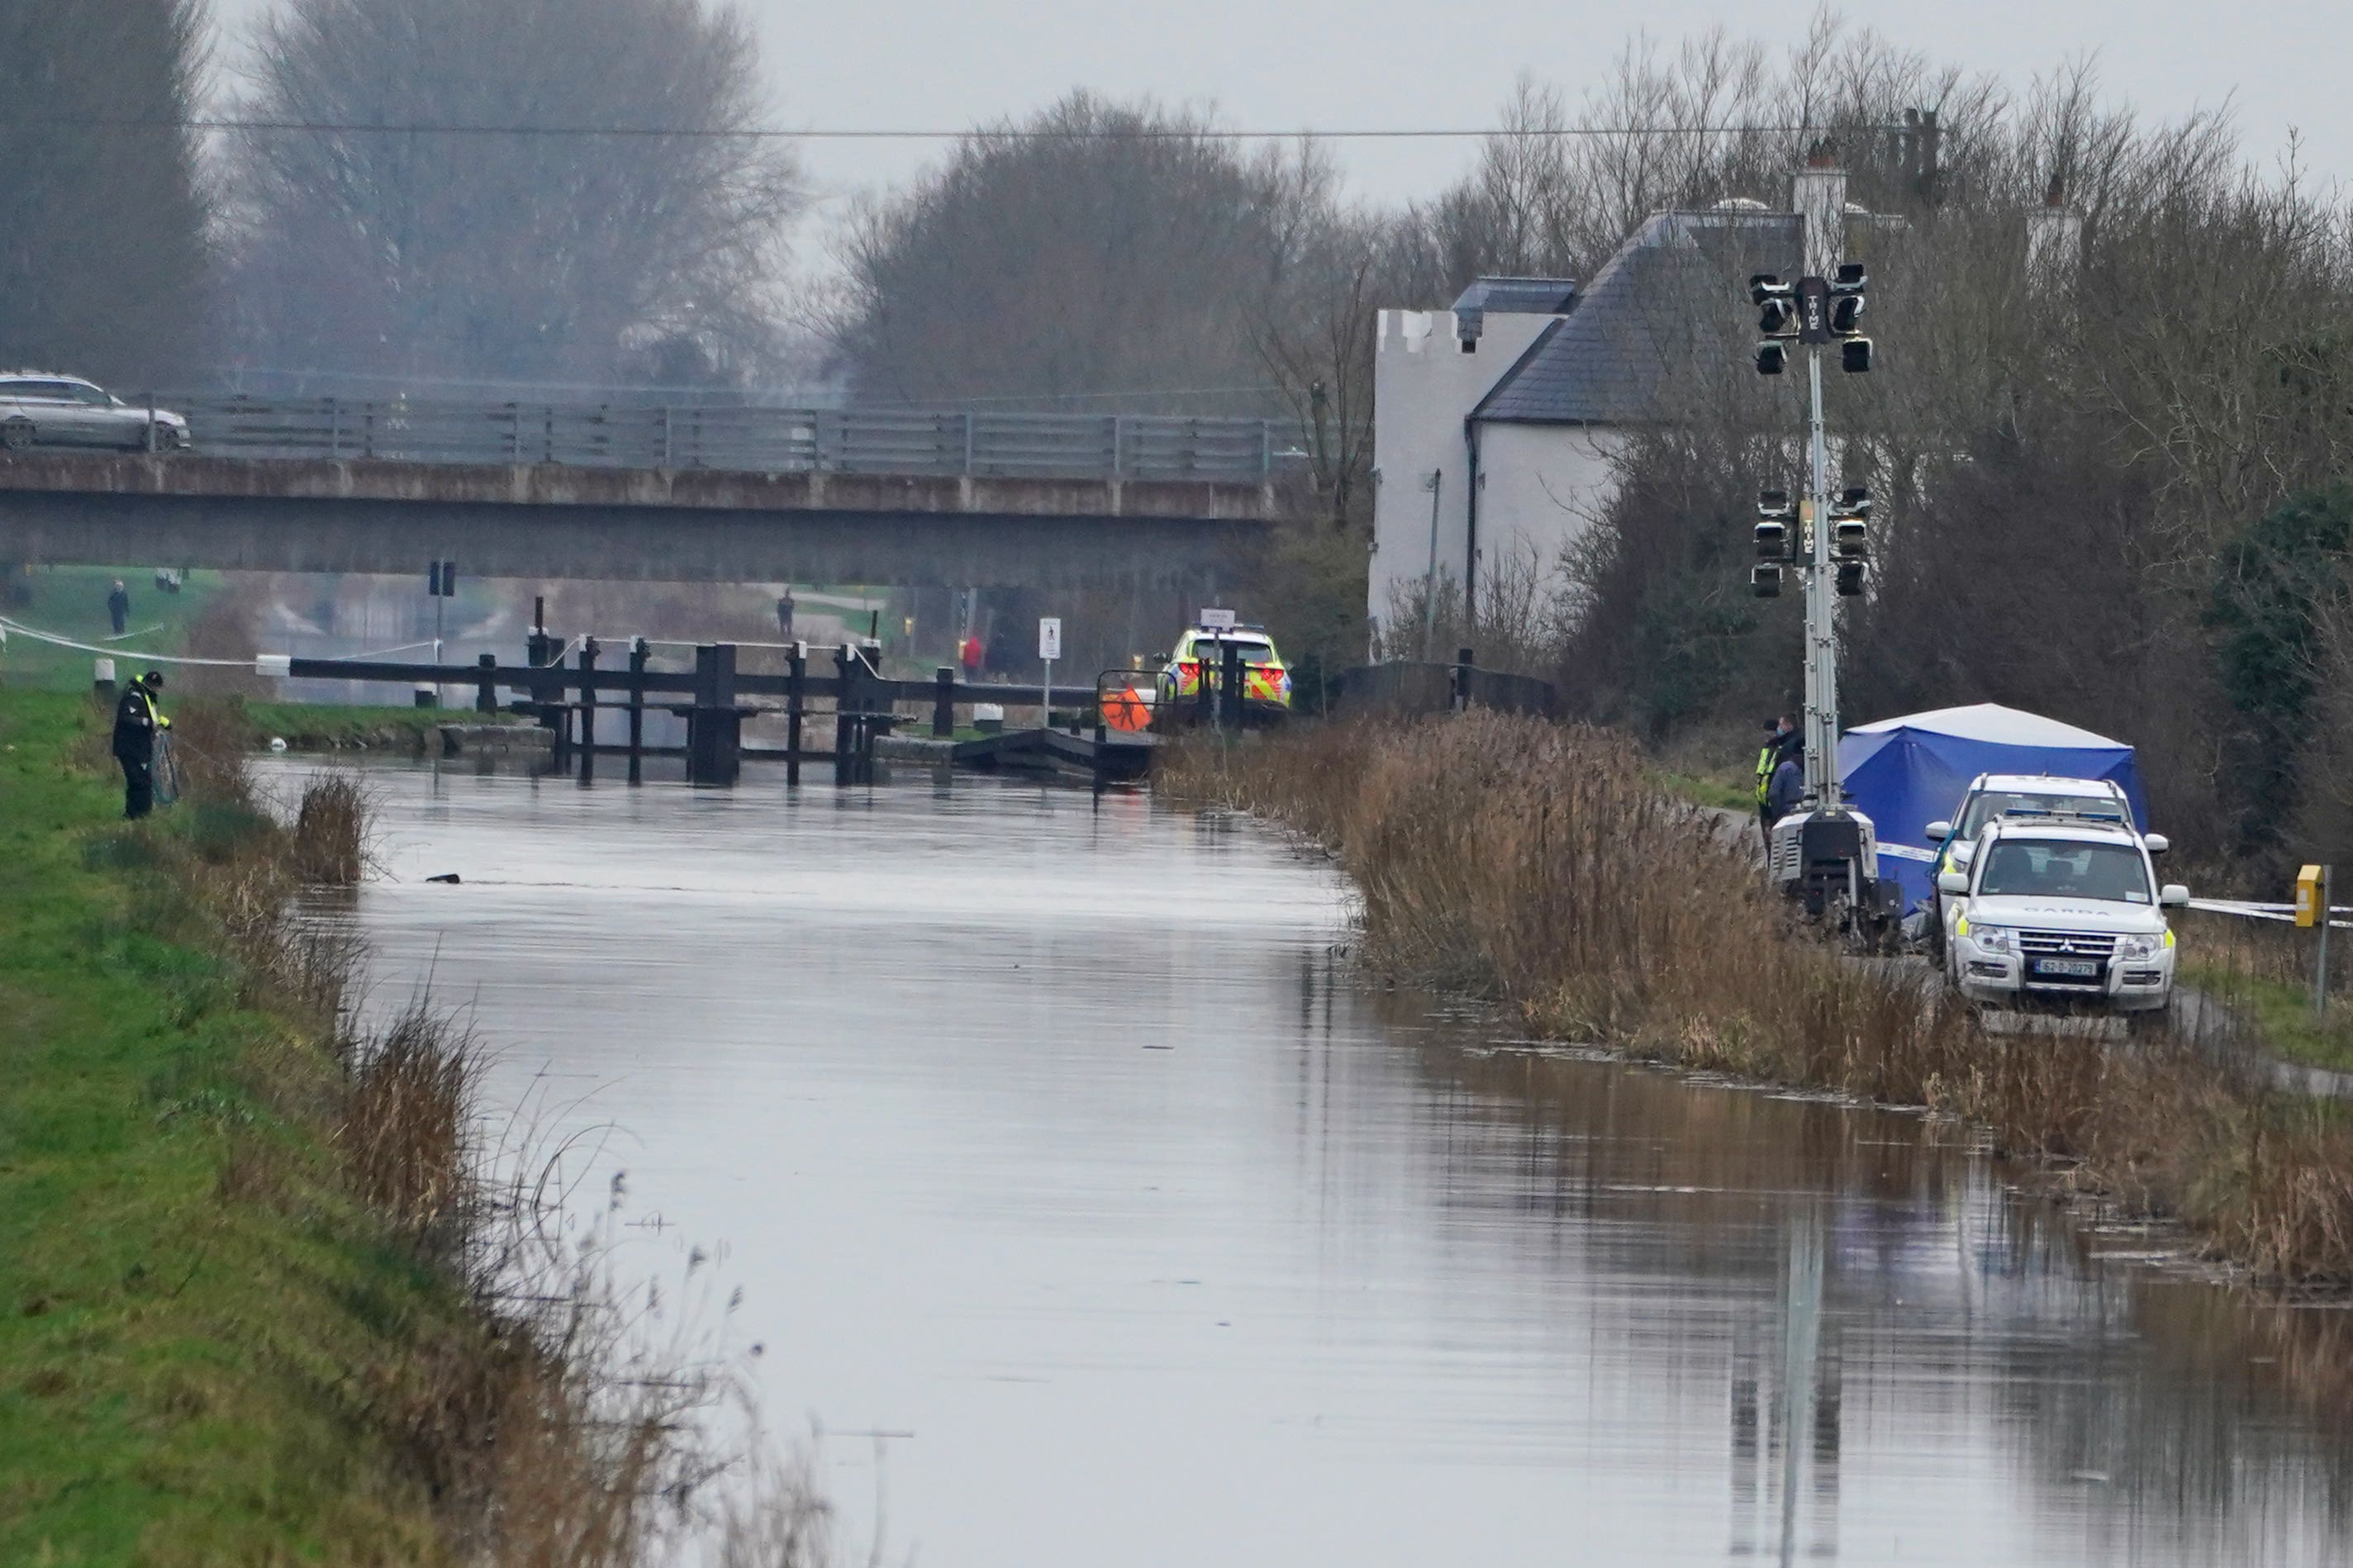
x,y
1429,582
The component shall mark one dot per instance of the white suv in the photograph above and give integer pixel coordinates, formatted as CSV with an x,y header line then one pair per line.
x,y
2061,910
1991,796
66,411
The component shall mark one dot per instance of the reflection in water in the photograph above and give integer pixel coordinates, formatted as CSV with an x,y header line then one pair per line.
x,y
1057,1136
1804,1425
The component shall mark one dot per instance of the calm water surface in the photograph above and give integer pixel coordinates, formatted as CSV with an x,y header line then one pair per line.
x,y
1102,1214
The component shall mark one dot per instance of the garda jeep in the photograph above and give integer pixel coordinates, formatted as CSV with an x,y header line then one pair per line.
x,y
1993,795
2062,911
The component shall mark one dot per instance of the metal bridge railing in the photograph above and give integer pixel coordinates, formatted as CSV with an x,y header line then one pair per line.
x,y
902,441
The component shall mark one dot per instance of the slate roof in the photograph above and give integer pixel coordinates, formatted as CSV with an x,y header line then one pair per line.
x,y
1671,303
1523,296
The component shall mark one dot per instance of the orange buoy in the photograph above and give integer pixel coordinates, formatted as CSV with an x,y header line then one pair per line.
x,y
1125,709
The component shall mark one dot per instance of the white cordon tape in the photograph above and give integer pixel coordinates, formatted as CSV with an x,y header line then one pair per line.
x,y
2244,908
2248,909
17,628
265,664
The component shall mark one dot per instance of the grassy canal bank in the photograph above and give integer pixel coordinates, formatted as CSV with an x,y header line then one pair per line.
x,y
1541,867
70,601
251,1308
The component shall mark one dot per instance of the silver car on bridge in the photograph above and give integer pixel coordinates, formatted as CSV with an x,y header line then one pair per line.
x,y
40,410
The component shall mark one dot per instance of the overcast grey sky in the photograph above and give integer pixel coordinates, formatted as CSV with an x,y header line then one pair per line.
x,y
1282,64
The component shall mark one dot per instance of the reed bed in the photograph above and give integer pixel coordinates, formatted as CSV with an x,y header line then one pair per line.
x,y
1538,865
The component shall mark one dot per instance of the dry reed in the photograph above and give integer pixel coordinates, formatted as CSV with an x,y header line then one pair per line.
x,y
330,846
1535,864
403,1130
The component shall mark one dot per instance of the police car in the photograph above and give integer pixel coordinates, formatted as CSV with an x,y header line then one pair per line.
x,y
1994,796
1266,682
2061,910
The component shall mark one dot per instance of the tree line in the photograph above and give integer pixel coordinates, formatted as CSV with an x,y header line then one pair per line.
x,y
2107,482
353,241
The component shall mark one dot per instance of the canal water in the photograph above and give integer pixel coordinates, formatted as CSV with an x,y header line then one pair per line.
x,y
1099,1212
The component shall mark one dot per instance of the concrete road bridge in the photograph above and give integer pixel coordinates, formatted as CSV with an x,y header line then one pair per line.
x,y
608,491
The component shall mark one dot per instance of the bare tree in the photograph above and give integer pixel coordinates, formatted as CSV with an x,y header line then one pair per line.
x,y
1315,336
1556,187
103,263
437,213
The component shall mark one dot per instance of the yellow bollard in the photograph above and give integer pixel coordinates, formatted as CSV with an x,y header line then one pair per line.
x,y
2312,910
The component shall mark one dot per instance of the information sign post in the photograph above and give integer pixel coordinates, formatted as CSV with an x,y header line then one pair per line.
x,y
1049,649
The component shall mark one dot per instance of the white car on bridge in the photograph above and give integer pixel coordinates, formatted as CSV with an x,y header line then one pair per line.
x,y
37,409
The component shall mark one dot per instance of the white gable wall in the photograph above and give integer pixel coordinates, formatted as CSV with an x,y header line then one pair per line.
x,y
1424,386
1540,486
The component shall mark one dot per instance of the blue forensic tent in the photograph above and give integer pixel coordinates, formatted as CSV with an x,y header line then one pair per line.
x,y
1906,772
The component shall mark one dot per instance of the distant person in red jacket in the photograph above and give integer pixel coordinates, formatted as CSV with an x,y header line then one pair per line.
x,y
971,653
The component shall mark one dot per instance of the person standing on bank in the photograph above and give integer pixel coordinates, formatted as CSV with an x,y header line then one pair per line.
x,y
118,606
1788,791
1780,739
136,721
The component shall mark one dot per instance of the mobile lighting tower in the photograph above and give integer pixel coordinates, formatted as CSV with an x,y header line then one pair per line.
x,y
1827,852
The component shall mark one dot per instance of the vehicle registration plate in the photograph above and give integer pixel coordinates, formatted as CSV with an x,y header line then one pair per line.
x,y
2072,968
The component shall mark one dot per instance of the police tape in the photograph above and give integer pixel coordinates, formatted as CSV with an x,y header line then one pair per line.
x,y
260,663
2241,909
17,628
2252,909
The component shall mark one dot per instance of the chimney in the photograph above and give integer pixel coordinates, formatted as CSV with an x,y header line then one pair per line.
x,y
1921,142
2054,239
1819,194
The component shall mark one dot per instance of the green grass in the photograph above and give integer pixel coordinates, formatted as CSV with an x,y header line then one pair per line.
x,y
2281,1014
326,726
72,602
1709,792
199,1333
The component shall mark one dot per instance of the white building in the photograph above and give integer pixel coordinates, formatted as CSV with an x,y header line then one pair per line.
x,y
1496,422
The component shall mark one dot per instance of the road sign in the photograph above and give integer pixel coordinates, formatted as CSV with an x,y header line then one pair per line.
x,y
1217,620
1127,709
1050,637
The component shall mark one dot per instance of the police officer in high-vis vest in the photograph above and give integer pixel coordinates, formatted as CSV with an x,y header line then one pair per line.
x,y
137,718
1780,736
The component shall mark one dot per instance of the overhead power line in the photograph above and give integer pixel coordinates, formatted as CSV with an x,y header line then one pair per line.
x,y
1126,133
